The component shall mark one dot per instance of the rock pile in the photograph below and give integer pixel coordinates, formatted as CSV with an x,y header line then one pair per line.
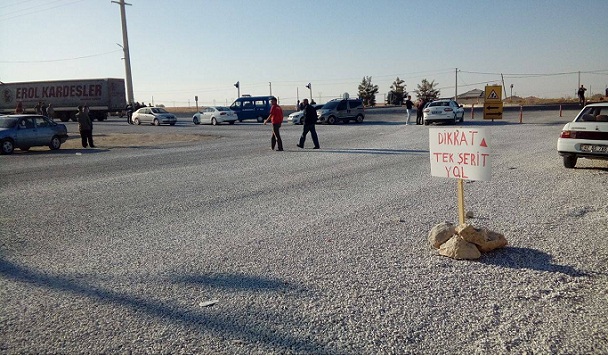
x,y
464,242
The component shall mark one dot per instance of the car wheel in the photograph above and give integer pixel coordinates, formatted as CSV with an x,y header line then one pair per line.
x,y
156,122
55,143
260,119
196,121
231,122
213,121
426,123
331,120
136,121
359,119
7,147
570,161
24,148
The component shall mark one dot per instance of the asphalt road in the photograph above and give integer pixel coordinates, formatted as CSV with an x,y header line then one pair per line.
x,y
224,246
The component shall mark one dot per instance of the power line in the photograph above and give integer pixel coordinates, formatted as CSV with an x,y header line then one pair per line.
x,y
19,13
63,59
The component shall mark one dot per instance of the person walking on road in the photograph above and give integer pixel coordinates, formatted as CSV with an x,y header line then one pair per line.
x,y
85,126
409,105
50,112
310,120
276,118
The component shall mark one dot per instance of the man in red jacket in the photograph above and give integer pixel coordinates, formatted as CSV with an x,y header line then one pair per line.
x,y
276,118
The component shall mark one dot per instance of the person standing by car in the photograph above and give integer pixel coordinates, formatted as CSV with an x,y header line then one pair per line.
x,y
276,118
129,110
420,111
310,120
85,126
50,112
409,105
581,95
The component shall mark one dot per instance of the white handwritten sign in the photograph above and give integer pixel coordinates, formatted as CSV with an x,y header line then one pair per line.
x,y
462,153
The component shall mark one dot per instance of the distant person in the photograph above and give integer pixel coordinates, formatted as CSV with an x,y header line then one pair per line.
x,y
19,108
85,126
129,110
276,118
38,108
420,112
310,120
50,112
581,95
409,106
606,92
43,109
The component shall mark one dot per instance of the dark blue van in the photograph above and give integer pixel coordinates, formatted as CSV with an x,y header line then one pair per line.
x,y
252,107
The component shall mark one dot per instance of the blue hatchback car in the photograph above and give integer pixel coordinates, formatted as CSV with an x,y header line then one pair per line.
x,y
25,131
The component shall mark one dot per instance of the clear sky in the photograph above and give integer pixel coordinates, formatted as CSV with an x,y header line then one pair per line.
x,y
183,48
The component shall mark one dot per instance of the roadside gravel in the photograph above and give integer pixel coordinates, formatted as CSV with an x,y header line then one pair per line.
x,y
223,246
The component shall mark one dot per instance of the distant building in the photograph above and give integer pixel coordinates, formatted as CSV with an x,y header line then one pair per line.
x,y
474,96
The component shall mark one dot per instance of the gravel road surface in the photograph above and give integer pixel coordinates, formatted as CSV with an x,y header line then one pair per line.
x,y
220,245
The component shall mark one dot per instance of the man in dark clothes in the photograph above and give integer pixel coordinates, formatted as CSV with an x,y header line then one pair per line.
x,y
310,120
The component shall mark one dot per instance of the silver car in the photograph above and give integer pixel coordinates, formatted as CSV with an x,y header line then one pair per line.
x,y
443,110
214,115
153,115
25,131
341,110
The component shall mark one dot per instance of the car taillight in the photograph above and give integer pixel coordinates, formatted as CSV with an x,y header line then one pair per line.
x,y
426,110
567,134
222,113
447,109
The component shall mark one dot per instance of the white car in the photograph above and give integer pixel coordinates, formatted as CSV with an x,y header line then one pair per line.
x,y
586,136
445,110
153,115
297,117
215,115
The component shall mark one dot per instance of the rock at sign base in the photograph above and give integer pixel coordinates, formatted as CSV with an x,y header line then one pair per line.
x,y
440,233
456,247
485,239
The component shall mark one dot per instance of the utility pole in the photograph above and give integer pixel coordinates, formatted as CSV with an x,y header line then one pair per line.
x,y
270,85
125,48
456,87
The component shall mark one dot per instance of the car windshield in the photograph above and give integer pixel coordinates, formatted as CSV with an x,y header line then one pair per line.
x,y
159,110
331,105
7,122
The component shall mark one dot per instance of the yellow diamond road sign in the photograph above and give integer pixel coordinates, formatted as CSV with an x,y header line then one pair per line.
x,y
493,93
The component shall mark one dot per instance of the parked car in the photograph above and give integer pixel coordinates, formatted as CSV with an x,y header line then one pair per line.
x,y
153,115
341,110
586,136
25,131
214,115
252,107
297,117
443,110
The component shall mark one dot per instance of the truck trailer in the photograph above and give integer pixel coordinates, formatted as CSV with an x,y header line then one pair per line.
x,y
102,96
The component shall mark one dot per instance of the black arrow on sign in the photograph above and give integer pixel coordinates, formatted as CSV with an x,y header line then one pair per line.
x,y
493,107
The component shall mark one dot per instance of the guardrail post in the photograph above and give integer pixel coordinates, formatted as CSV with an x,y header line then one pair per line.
x,y
472,111
560,110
